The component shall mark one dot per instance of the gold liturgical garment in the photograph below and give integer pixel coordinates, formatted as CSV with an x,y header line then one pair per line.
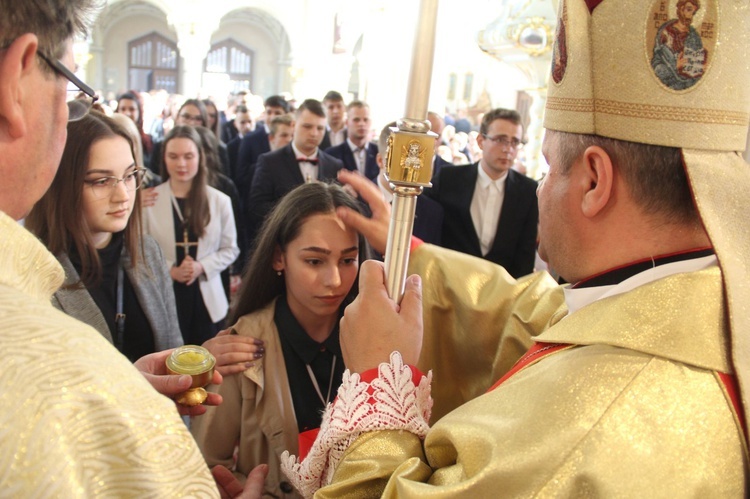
x,y
66,430
634,410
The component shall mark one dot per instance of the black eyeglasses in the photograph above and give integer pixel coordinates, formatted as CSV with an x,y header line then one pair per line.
x,y
505,141
80,106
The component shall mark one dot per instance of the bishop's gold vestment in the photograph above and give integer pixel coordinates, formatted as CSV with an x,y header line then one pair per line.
x,y
635,410
77,419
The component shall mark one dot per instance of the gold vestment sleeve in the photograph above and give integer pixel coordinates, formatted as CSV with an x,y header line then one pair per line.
x,y
478,320
601,419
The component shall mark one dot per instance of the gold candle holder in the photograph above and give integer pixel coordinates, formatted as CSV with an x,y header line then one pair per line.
x,y
408,160
197,362
409,155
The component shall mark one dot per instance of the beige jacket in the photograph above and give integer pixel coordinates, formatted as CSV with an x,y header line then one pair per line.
x,y
257,412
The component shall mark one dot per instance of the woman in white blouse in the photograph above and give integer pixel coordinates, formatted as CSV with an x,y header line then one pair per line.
x,y
195,227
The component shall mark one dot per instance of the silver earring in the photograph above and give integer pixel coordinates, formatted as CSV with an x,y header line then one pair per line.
x,y
278,273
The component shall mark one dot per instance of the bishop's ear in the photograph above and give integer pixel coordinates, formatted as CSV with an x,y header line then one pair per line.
x,y
598,181
18,65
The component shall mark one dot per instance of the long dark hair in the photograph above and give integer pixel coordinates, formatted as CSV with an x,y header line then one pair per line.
x,y
58,220
216,129
260,284
131,95
197,212
211,152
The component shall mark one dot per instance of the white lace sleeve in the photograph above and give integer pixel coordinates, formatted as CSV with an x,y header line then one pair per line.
x,y
390,402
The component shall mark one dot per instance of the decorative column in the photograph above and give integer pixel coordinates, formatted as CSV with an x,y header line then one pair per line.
x,y
523,36
195,22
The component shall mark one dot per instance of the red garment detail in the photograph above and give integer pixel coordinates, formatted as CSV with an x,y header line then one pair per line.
x,y
592,4
536,352
305,441
415,243
730,384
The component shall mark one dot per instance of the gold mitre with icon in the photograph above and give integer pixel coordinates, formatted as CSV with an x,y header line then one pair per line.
x,y
666,72
673,73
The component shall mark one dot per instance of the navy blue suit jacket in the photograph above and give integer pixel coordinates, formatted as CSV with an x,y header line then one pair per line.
x,y
277,173
515,242
233,150
428,220
251,147
437,164
345,154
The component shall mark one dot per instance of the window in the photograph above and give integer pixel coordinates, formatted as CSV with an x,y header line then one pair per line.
x,y
153,64
234,59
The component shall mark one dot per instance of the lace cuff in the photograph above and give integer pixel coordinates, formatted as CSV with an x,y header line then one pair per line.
x,y
389,402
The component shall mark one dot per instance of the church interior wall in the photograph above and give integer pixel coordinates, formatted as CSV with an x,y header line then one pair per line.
x,y
115,54
301,61
266,55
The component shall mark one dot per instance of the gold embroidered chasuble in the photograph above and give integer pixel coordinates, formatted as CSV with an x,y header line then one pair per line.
x,y
635,410
78,419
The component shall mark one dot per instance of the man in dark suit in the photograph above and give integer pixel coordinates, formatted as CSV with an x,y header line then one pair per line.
x,y
280,171
335,134
490,210
357,153
428,214
239,126
256,143
437,124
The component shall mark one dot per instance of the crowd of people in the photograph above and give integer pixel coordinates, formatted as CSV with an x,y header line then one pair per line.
x,y
258,235
257,155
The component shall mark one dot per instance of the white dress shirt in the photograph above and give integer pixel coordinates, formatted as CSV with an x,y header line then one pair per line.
x,y
337,137
577,298
360,155
486,205
309,171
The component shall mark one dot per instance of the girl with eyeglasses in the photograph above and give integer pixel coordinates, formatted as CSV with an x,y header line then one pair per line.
x,y
192,112
90,219
116,279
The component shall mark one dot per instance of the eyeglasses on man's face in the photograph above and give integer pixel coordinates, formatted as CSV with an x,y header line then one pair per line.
x,y
80,106
504,140
103,187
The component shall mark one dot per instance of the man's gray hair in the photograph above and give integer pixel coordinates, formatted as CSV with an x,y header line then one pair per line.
x,y
655,175
52,21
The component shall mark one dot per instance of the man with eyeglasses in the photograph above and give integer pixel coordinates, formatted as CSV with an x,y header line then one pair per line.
x,y
491,210
78,419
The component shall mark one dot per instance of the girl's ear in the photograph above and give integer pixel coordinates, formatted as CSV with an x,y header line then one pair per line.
x,y
277,262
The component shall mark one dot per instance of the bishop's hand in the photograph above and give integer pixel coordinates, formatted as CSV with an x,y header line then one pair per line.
x,y
374,325
375,228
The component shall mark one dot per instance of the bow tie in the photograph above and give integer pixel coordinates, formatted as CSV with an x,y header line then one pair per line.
x,y
313,161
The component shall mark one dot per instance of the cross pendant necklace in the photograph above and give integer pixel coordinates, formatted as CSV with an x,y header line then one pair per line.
x,y
185,244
